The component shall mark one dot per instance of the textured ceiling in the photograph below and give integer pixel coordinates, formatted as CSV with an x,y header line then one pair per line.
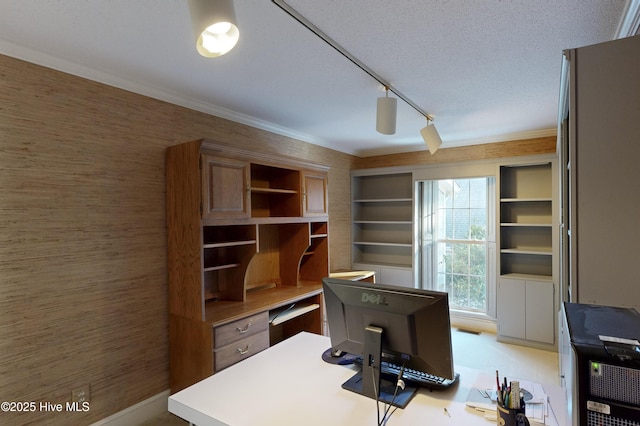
x,y
488,70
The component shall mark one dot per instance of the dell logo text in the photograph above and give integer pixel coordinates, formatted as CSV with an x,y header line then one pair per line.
x,y
375,299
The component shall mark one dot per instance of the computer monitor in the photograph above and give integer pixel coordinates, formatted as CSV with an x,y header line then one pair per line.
x,y
405,326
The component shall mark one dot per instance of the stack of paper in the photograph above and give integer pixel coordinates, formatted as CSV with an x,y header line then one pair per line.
x,y
538,405
537,411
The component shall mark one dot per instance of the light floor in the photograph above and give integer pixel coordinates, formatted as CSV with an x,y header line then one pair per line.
x,y
483,352
478,351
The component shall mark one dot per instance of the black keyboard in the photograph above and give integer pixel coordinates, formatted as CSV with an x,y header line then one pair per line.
x,y
414,377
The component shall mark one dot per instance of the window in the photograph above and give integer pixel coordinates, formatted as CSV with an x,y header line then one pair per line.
x,y
456,239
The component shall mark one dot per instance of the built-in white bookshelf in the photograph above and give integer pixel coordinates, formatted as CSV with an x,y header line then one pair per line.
x,y
526,212
526,297
382,225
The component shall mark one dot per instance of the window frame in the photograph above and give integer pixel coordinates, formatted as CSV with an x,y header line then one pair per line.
x,y
424,254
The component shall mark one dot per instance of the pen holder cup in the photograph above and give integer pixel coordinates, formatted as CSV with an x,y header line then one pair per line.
x,y
512,416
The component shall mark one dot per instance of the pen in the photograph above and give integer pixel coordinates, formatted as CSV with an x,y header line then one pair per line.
x,y
447,412
505,393
498,390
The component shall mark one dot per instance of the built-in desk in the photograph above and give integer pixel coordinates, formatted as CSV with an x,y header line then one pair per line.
x,y
290,384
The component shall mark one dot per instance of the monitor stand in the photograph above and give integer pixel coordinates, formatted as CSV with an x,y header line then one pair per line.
x,y
369,382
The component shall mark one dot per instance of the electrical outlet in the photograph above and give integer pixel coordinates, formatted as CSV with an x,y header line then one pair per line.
x,y
81,395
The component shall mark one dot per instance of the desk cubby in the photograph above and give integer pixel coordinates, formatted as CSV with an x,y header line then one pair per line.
x,y
275,191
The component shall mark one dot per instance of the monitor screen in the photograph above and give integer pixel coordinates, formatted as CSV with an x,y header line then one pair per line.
x,y
413,325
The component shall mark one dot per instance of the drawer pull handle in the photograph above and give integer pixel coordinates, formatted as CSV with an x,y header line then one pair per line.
x,y
243,330
243,351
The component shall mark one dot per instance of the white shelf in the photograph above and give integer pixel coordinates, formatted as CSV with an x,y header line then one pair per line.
x,y
527,225
526,200
532,251
529,277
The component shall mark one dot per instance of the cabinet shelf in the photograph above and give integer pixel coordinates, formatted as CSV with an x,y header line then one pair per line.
x,y
527,225
526,200
378,243
383,200
221,267
536,251
385,222
210,295
273,191
529,277
228,244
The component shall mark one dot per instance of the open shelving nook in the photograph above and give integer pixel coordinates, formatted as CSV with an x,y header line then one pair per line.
x,y
382,224
247,242
526,214
275,191
526,294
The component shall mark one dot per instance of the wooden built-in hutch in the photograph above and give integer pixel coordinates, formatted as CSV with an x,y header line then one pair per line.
x,y
247,250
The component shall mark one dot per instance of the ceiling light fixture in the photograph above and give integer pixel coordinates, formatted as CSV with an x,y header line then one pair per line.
x,y
386,114
430,129
431,137
214,26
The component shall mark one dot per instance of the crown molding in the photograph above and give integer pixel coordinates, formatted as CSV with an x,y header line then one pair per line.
x,y
49,61
630,22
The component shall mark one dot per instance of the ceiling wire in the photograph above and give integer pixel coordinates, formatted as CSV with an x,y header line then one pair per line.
x,y
318,32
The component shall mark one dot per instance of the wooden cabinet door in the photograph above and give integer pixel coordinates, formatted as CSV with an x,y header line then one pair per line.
x,y
225,188
315,194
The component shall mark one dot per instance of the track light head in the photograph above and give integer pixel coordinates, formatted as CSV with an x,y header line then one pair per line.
x,y
431,137
214,26
386,115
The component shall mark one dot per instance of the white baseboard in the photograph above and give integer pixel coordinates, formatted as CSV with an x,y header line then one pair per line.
x,y
138,413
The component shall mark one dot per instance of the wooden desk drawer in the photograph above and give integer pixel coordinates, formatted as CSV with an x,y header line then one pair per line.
x,y
240,350
229,333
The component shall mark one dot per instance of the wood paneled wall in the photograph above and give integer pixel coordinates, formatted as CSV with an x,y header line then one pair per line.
x,y
546,145
83,278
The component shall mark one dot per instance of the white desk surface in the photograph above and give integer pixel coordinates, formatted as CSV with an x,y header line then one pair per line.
x,y
290,384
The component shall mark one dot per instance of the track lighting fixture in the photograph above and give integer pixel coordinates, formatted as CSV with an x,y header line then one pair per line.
x,y
386,114
431,137
214,26
387,107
